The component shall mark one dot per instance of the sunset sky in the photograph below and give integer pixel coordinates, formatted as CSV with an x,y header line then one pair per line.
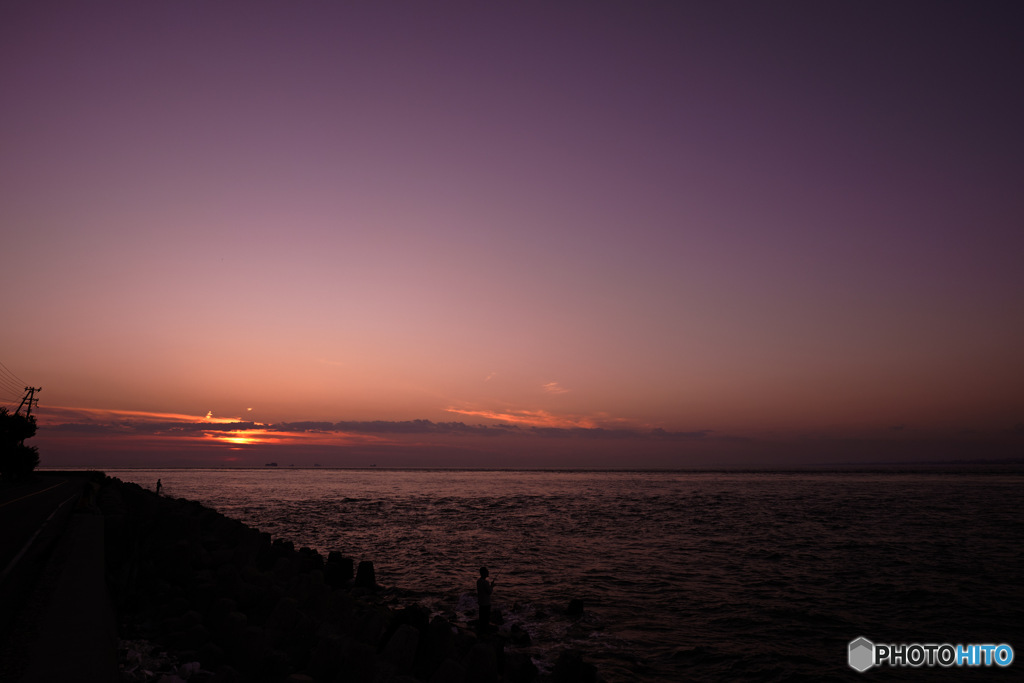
x,y
497,234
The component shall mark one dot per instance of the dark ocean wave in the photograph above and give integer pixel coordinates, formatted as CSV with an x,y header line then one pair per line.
x,y
684,576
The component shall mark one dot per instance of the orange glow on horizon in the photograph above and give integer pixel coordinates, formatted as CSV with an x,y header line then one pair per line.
x,y
243,437
261,437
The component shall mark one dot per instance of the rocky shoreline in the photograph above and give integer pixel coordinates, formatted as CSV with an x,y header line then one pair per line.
x,y
205,598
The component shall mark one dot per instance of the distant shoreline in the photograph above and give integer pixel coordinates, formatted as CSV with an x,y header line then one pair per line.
x,y
976,466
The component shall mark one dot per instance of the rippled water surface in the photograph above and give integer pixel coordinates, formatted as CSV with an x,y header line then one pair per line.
x,y
685,576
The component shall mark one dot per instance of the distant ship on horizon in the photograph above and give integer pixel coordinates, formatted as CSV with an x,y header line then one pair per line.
x,y
271,464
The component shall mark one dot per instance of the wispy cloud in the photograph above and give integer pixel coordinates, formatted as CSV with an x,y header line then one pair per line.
x,y
534,418
554,388
54,414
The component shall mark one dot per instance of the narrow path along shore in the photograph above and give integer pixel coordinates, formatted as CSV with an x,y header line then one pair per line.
x,y
195,596
58,622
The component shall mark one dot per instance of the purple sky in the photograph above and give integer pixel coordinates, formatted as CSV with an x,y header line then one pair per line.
x,y
770,224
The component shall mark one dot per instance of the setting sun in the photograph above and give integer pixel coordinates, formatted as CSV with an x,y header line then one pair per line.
x,y
241,438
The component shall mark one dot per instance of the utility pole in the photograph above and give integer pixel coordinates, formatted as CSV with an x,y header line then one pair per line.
x,y
29,400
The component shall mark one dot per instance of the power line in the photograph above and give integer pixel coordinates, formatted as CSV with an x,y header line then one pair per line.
x,y
11,386
8,397
7,371
8,376
9,401
11,394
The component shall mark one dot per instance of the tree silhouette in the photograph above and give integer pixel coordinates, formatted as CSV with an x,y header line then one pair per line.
x,y
16,459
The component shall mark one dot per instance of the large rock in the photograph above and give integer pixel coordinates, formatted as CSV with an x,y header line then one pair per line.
x,y
366,576
339,569
519,668
450,671
482,665
401,649
571,668
359,664
439,645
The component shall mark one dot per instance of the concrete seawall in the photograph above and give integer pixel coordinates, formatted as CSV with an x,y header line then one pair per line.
x,y
228,604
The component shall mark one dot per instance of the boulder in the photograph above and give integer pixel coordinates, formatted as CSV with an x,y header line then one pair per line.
x,y
571,668
359,663
339,569
482,664
366,575
519,668
450,671
401,649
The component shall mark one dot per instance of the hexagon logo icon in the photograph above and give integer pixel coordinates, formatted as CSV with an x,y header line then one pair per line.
x,y
862,654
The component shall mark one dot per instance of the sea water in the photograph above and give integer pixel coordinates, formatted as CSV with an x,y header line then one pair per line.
x,y
683,575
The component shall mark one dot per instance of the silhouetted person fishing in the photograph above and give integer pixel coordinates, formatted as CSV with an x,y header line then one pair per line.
x,y
158,487
483,598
